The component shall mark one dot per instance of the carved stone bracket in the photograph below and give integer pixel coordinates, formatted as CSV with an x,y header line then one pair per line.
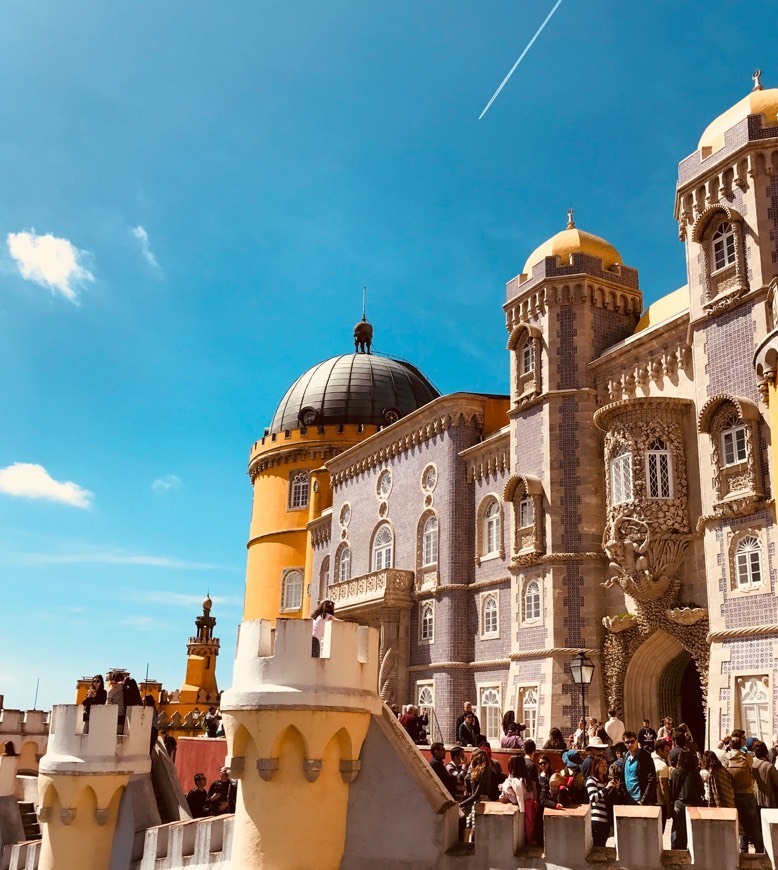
x,y
102,815
267,768
617,624
67,815
349,770
687,615
312,768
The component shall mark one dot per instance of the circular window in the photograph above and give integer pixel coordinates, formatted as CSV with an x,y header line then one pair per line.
x,y
384,484
345,514
391,415
429,478
308,416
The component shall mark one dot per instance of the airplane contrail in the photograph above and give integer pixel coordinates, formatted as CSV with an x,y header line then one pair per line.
x,y
521,58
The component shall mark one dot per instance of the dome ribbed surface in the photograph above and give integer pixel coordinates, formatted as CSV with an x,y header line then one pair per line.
x,y
354,388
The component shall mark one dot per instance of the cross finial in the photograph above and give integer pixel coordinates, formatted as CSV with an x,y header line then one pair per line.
x,y
757,77
364,303
570,221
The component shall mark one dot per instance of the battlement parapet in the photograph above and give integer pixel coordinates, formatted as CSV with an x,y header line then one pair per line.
x,y
101,750
9,764
197,843
24,722
275,668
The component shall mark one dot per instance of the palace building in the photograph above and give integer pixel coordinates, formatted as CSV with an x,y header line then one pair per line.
x,y
616,500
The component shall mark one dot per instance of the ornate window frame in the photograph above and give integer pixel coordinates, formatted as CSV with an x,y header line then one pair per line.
x,y
528,618
425,699
737,486
481,534
290,575
427,622
385,565
490,720
343,548
654,456
528,382
620,471
299,495
383,484
324,578
427,576
529,707
724,286
489,602
734,550
527,544
742,683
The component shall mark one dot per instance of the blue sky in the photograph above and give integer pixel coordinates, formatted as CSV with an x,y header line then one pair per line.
x,y
193,195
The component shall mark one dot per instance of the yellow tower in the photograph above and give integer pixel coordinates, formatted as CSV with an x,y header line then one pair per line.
x,y
201,653
82,780
331,407
295,726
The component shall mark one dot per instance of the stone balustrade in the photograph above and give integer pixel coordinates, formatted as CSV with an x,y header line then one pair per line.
x,y
201,843
389,588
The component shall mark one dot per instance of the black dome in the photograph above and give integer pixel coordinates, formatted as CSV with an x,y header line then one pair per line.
x,y
353,388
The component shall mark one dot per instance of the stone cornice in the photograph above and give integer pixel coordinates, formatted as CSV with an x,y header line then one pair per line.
x,y
579,280
737,633
454,587
433,419
552,651
604,416
488,458
460,666
320,529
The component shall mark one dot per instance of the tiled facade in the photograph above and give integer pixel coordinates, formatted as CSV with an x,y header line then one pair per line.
x,y
649,577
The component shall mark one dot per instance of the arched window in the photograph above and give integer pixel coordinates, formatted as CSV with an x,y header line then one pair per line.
x,y
528,357
489,616
492,529
344,563
748,563
324,578
532,601
659,477
429,542
383,545
723,245
292,593
426,622
734,448
755,706
491,713
298,490
526,512
621,477
529,711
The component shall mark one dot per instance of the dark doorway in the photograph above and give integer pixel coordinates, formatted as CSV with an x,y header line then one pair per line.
x,y
680,695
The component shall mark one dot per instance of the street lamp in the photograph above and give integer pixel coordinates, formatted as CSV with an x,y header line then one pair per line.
x,y
582,671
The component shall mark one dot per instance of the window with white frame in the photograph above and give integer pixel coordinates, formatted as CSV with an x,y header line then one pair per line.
x,y
529,712
528,357
659,474
733,444
723,245
344,563
490,615
621,477
491,712
491,530
526,512
324,578
532,601
292,592
383,545
748,563
426,622
755,707
429,542
298,490
425,701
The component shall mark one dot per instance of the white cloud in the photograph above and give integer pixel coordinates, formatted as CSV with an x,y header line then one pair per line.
x,y
145,246
164,596
115,559
166,483
26,480
50,262
142,622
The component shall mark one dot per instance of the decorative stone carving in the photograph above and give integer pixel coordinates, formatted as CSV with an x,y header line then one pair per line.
x,y
102,815
312,768
267,768
622,622
391,587
687,615
349,770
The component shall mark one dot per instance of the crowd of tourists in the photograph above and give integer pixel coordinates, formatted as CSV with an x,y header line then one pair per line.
x,y
605,765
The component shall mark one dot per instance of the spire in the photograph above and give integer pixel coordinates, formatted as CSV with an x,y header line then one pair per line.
x,y
363,331
570,221
757,77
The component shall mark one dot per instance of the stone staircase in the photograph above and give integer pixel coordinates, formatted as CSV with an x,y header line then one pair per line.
x,y
32,829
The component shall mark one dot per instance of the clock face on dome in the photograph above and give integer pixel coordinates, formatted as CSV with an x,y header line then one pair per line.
x,y
384,485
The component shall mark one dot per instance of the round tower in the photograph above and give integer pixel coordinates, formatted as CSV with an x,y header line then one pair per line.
x,y
82,780
295,726
331,407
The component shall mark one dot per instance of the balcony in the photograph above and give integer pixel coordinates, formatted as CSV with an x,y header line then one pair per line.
x,y
387,588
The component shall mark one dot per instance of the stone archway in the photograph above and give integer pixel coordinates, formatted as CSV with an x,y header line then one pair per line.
x,y
643,678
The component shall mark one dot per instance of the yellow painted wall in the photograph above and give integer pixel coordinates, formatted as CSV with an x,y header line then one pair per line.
x,y
773,417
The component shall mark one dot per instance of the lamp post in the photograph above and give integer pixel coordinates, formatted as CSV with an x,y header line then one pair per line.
x,y
582,671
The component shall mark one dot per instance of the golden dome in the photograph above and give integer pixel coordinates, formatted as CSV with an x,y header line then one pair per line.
x,y
573,241
758,102
664,308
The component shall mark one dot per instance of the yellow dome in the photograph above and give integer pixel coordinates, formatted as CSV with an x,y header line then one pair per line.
x,y
761,102
665,308
573,241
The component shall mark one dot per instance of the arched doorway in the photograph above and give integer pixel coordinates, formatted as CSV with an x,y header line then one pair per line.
x,y
662,680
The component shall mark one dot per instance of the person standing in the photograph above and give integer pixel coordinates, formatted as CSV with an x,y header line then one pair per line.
x,y
765,778
512,739
170,743
415,725
666,729
468,732
95,695
221,794
614,727
686,790
659,757
468,710
478,784
197,796
639,773
739,763
437,763
324,613
116,696
600,792
212,719
717,780
647,736
457,768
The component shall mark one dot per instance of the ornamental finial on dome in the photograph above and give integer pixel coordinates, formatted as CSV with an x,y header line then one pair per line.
x,y
757,77
570,221
363,331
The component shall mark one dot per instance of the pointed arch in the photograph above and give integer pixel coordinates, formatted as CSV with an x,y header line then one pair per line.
x,y
291,734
